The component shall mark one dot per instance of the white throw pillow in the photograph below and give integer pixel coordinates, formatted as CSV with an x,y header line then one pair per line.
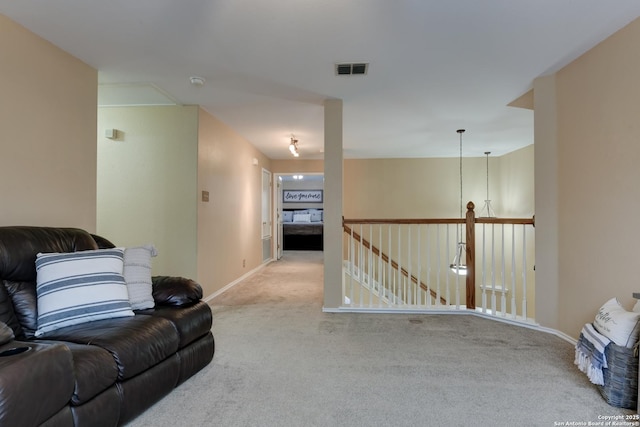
x,y
80,287
287,216
316,216
301,218
617,324
137,275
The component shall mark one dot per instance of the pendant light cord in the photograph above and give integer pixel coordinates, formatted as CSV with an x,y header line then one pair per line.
x,y
460,131
461,174
487,153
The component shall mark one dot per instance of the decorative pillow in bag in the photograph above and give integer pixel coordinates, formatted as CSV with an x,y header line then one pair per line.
x,y
617,324
137,275
80,287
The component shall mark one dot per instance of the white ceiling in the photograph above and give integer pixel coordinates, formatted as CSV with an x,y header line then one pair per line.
x,y
435,65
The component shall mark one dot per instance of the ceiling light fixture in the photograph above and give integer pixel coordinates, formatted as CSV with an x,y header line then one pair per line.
x,y
197,81
487,210
458,265
293,147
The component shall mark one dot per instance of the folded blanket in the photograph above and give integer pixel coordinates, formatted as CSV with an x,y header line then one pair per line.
x,y
590,357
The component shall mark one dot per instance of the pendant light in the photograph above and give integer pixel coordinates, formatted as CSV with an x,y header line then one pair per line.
x,y
487,210
458,265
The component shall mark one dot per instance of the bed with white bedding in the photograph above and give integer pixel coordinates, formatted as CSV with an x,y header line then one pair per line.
x,y
302,229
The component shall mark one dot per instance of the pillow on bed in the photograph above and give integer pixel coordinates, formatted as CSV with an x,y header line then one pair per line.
x,y
301,218
617,324
301,212
316,216
287,216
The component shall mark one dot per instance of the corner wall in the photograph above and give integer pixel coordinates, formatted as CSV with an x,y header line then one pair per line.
x,y
147,183
48,106
598,175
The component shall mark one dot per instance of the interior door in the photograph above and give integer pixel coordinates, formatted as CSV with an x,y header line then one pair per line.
x,y
278,196
267,223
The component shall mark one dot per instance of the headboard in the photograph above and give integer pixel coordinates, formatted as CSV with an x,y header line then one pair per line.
x,y
302,215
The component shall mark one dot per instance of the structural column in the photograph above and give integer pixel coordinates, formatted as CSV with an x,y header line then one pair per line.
x,y
333,171
546,200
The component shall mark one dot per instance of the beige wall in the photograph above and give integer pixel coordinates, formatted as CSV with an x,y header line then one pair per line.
x,y
229,225
598,175
297,166
48,107
430,188
147,183
515,183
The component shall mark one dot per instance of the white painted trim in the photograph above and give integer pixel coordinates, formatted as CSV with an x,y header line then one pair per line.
x,y
528,325
559,334
238,280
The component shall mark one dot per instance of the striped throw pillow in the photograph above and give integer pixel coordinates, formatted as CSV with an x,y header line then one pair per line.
x,y
137,275
80,287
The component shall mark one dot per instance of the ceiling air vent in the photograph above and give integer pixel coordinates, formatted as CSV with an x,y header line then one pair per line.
x,y
352,69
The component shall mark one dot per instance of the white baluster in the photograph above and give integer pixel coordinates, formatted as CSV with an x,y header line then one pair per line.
x,y
514,310
381,284
418,287
503,298
494,308
410,293
401,282
524,274
389,269
447,292
351,266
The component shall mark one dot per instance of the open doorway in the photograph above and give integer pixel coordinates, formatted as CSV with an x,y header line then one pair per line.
x,y
299,201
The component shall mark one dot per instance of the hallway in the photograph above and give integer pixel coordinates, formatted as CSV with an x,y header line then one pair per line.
x,y
297,278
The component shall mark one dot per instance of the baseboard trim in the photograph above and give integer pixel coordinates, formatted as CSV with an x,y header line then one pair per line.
x,y
527,325
238,280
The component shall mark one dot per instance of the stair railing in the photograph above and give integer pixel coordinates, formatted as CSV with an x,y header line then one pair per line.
x,y
382,265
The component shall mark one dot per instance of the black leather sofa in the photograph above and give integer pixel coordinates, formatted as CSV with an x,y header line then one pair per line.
x,y
98,373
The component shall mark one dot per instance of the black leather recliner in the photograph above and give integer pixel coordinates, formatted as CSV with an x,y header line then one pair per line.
x,y
99,373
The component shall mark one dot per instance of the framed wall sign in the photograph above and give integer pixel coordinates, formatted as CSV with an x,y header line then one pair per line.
x,y
302,196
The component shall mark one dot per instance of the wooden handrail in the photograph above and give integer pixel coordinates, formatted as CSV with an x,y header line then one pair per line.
x,y
405,221
394,264
470,220
481,220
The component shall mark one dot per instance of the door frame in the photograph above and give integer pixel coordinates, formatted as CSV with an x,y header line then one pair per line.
x,y
277,206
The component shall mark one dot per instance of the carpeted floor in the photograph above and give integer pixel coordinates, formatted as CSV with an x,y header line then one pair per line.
x,y
280,361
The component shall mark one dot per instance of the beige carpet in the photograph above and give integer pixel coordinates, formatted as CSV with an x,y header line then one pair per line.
x,y
280,361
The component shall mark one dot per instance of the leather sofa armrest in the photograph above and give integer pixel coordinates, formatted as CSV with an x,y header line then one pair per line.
x,y
6,333
175,291
36,382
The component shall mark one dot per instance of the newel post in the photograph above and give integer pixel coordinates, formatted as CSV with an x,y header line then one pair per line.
x,y
471,256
